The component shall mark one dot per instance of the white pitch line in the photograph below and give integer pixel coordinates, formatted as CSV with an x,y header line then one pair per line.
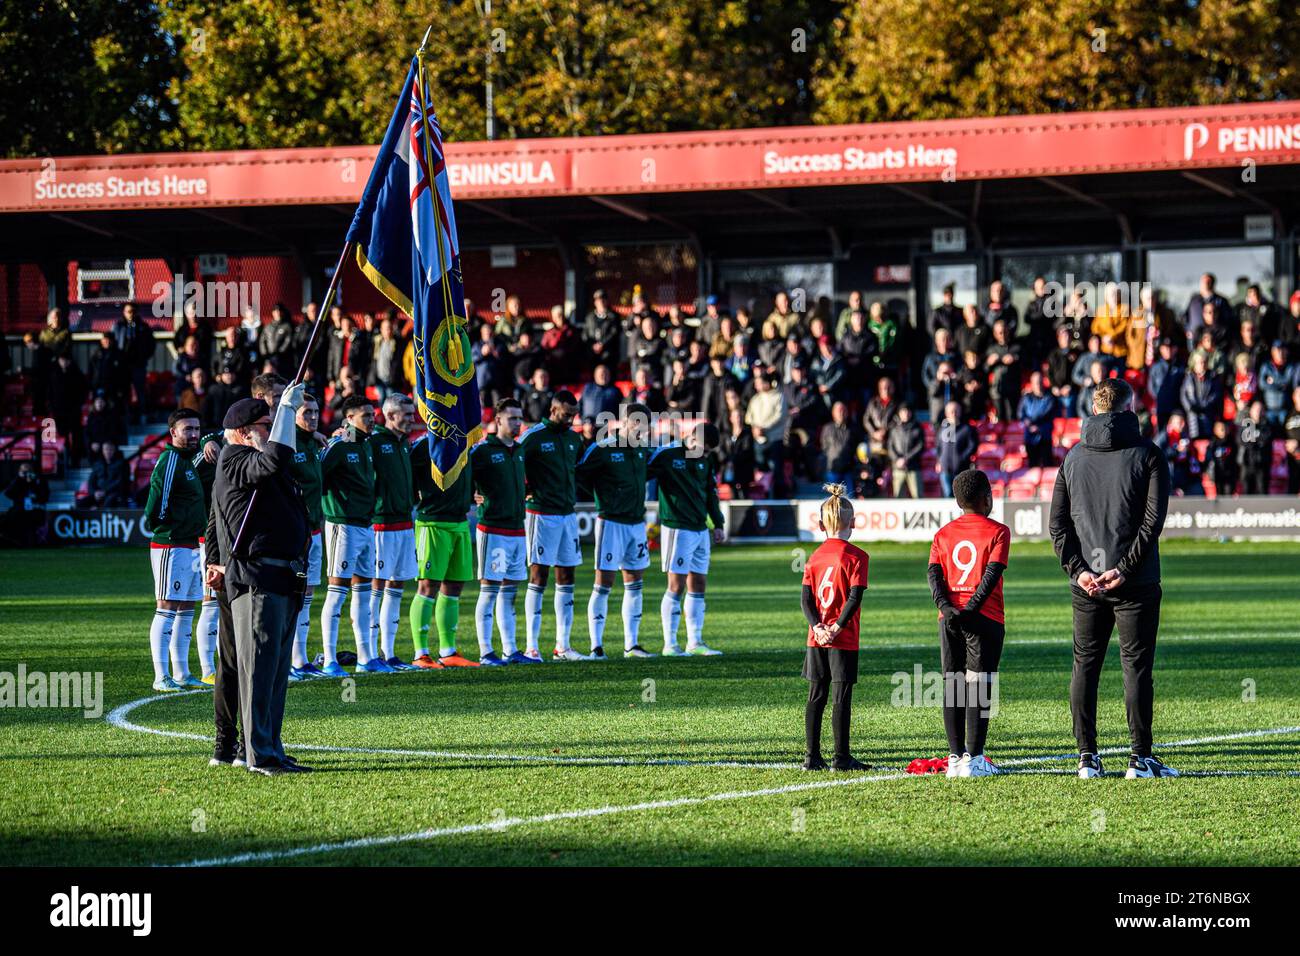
x,y
264,856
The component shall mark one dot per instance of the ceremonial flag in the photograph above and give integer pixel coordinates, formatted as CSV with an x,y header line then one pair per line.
x,y
405,235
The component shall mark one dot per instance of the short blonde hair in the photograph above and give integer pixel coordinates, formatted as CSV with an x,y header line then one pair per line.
x,y
837,510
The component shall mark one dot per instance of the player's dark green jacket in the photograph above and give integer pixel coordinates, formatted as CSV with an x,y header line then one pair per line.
x,y
176,512
306,471
394,492
551,454
616,476
432,503
688,494
348,479
499,478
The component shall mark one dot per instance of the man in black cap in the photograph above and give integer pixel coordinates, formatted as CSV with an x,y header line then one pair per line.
x,y
261,539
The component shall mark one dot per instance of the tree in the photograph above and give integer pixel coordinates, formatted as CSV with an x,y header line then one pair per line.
x,y
83,77
901,60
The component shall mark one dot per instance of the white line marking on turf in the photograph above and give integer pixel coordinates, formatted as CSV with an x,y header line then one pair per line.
x,y
265,856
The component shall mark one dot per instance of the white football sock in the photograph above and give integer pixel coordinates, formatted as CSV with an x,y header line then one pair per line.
x,y
390,611
376,599
360,610
300,635
487,601
694,619
160,637
506,619
563,616
631,614
533,599
209,622
182,631
597,609
330,613
670,612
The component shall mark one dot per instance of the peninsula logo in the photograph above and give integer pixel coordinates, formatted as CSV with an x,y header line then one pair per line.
x,y
76,909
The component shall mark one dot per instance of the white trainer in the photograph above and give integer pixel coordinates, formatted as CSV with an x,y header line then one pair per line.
x,y
954,766
1143,767
978,766
702,650
673,650
569,654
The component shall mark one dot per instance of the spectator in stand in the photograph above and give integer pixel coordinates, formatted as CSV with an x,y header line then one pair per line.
x,y
713,393
1212,325
640,310
490,371
745,324
771,350
110,376
562,343
1278,378
225,391
347,387
1216,362
601,330
829,373
736,455
349,348
697,362
946,388
647,346
1037,411
28,492
1060,369
1082,373
1256,351
1165,382
56,336
235,357
1194,314
135,341
647,391
1000,307
946,315
1245,383
838,444
710,322
198,396
513,324
807,414
537,397
859,348
1003,365
906,447
187,360
1260,312
386,373
276,344
192,326
879,418
1202,397
1184,468
956,443
882,325
942,352
601,397
1291,437
1291,324
1159,322
811,333
1221,461
250,327
1255,440
723,342
683,391
972,335
974,386
1038,340
846,314
1077,317
740,364
675,320
109,485
767,416
1111,324
68,389
37,362
676,347
525,357
317,372
782,317
103,423
1097,373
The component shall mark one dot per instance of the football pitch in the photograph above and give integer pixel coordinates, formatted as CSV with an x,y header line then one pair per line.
x,y
679,761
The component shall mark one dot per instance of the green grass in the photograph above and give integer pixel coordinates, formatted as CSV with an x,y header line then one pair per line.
x,y
78,791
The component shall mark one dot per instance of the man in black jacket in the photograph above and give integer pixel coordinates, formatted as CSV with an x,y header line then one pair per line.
x,y
1108,509
260,549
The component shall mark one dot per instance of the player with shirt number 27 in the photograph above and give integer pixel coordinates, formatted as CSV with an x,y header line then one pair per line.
x,y
833,582
967,559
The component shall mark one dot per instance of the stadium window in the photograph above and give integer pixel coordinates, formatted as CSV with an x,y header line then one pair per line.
x,y
1177,272
962,275
1019,271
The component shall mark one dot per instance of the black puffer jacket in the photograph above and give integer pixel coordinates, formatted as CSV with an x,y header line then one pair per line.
x,y
1110,501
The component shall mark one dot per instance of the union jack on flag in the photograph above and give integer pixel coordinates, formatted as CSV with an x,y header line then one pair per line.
x,y
405,234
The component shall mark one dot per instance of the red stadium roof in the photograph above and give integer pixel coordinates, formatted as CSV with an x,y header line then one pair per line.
x,y
968,149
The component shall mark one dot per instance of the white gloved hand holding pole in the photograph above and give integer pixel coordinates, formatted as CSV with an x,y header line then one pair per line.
x,y
283,427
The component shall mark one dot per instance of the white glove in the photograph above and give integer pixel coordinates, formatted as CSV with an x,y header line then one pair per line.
x,y
294,395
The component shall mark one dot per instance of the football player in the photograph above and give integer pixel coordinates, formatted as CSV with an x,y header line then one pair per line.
x,y
393,525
